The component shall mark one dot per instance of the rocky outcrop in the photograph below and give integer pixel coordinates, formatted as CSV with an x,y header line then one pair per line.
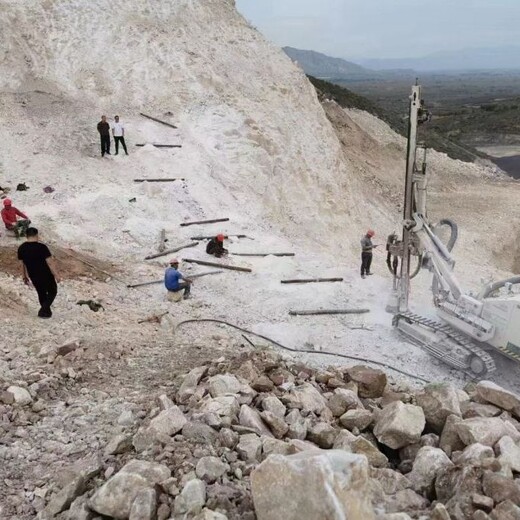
x,y
308,446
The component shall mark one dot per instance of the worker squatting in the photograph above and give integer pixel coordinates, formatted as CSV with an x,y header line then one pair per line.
x,y
39,268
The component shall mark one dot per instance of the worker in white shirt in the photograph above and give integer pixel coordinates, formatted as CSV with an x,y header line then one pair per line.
x,y
118,131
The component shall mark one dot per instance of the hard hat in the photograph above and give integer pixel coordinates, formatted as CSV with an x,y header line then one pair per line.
x,y
371,232
174,261
220,237
7,202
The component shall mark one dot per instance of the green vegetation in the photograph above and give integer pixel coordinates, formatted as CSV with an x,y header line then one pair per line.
x,y
348,99
395,118
469,110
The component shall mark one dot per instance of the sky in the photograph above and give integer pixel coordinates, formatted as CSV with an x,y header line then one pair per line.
x,y
360,29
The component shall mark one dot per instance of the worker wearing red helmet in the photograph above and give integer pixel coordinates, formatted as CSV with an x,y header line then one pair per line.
x,y
10,216
366,253
216,247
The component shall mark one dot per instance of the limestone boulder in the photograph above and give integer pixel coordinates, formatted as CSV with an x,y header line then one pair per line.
x,y
276,446
191,499
79,510
144,505
399,424
371,382
118,444
250,418
199,433
208,514
485,430
307,398
344,440
190,383
223,406
297,425
19,395
210,469
64,498
427,464
358,418
450,440
439,512
223,384
262,384
461,480
343,400
322,434
329,485
495,394
276,424
273,405
116,496
406,500
500,488
362,446
390,480
508,453
228,438
473,454
472,409
506,510
482,502
249,447
167,423
438,401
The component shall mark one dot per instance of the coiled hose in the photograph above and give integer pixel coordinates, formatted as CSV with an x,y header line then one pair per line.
x,y
323,353
449,246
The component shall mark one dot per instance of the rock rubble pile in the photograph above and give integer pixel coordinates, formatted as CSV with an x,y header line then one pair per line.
x,y
258,436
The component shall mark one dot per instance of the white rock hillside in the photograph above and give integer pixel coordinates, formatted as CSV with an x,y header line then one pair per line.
x,y
239,100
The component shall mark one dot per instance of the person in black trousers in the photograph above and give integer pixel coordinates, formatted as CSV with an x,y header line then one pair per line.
x,y
366,253
118,131
216,247
104,133
38,267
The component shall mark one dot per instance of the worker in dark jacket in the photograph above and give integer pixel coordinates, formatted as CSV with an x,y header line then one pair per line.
x,y
366,253
104,133
215,246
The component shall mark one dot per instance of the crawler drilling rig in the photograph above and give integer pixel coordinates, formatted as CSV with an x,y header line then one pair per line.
x,y
470,327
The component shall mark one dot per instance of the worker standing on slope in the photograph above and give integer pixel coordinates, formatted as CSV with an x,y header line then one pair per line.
x,y
366,253
38,266
216,247
118,131
104,133
10,216
172,282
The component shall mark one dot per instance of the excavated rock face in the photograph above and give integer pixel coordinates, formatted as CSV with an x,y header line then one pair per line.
x,y
289,453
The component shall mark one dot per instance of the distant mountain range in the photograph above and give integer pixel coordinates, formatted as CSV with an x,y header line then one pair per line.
x,y
460,60
323,66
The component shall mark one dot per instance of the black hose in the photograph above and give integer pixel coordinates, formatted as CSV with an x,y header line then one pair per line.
x,y
449,246
454,231
324,353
